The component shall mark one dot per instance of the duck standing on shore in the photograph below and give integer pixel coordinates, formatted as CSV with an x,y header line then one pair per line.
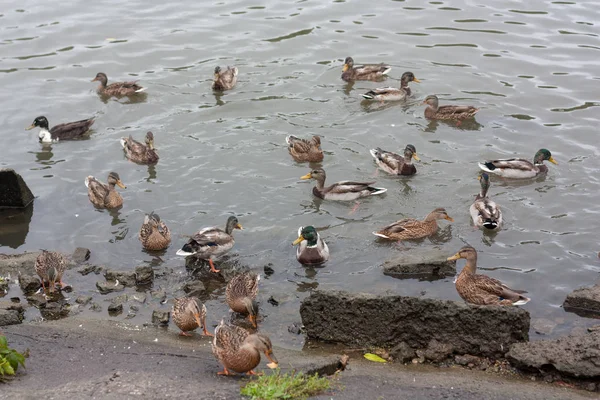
x,y
240,294
188,314
50,267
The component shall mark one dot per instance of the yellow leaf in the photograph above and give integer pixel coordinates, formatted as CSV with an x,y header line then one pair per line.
x,y
374,357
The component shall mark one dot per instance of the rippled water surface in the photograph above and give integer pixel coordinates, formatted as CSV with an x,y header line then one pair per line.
x,y
530,66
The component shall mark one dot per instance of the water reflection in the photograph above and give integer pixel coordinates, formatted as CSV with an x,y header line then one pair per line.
x,y
44,155
218,100
151,173
14,226
135,99
466,125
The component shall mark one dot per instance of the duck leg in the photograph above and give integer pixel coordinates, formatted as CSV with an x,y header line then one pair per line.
x,y
356,205
224,372
212,266
206,333
182,333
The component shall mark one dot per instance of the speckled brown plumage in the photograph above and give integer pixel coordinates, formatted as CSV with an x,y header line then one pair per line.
x,y
371,72
241,293
395,164
224,79
239,351
117,89
303,150
138,152
481,289
154,233
105,195
189,313
50,267
411,228
449,112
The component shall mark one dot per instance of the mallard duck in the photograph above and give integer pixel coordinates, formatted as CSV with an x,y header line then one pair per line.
x,y
211,242
66,131
140,153
410,228
241,293
303,150
458,113
312,250
344,190
391,93
117,89
481,289
239,351
154,233
393,163
370,72
518,168
104,195
188,314
485,213
225,80
50,267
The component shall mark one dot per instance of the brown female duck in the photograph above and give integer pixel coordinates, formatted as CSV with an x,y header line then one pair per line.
x,y
450,112
410,228
239,351
481,289
224,79
363,72
50,267
344,191
154,233
117,89
104,195
303,150
391,93
66,131
188,314
241,294
138,152
393,163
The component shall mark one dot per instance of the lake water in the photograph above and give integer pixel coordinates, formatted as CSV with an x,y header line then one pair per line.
x,y
531,67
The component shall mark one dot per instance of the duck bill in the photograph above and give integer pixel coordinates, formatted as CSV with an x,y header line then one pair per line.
x,y
449,218
121,185
94,80
197,318
271,357
416,80
252,319
30,127
300,238
454,257
552,160
239,226
416,157
345,67
307,176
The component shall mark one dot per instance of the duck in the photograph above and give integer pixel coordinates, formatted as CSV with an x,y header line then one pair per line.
x,y
224,79
50,267
312,249
343,191
449,112
239,351
240,294
395,164
518,168
188,314
391,93
66,131
211,242
138,152
370,72
104,195
484,211
410,228
303,150
117,89
481,289
154,233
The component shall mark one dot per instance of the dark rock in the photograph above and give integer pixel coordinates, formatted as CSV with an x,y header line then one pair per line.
x,y
12,264
194,288
125,278
95,307
10,317
14,192
584,301
115,309
543,326
577,355
437,351
81,255
160,317
269,270
423,265
37,300
273,302
91,268
467,360
55,310
144,275
3,287
402,352
384,321
109,287
29,284
295,328
200,269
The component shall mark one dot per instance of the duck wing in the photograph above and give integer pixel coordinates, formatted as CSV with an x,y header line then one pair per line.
x,y
453,111
509,163
71,130
124,88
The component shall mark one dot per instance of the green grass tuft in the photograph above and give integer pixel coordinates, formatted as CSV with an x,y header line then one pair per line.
x,y
290,385
9,359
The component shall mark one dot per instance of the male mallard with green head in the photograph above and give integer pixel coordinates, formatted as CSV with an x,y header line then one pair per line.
x,y
211,242
344,190
395,164
481,289
370,72
449,112
50,267
138,152
188,314
410,228
239,351
66,131
117,89
154,233
391,93
105,195
484,211
518,168
240,294
312,250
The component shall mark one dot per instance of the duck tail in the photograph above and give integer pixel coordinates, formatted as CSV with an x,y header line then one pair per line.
x,y
185,251
387,70
381,235
140,90
369,95
88,180
490,224
522,300
290,139
487,166
376,153
375,190
123,142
